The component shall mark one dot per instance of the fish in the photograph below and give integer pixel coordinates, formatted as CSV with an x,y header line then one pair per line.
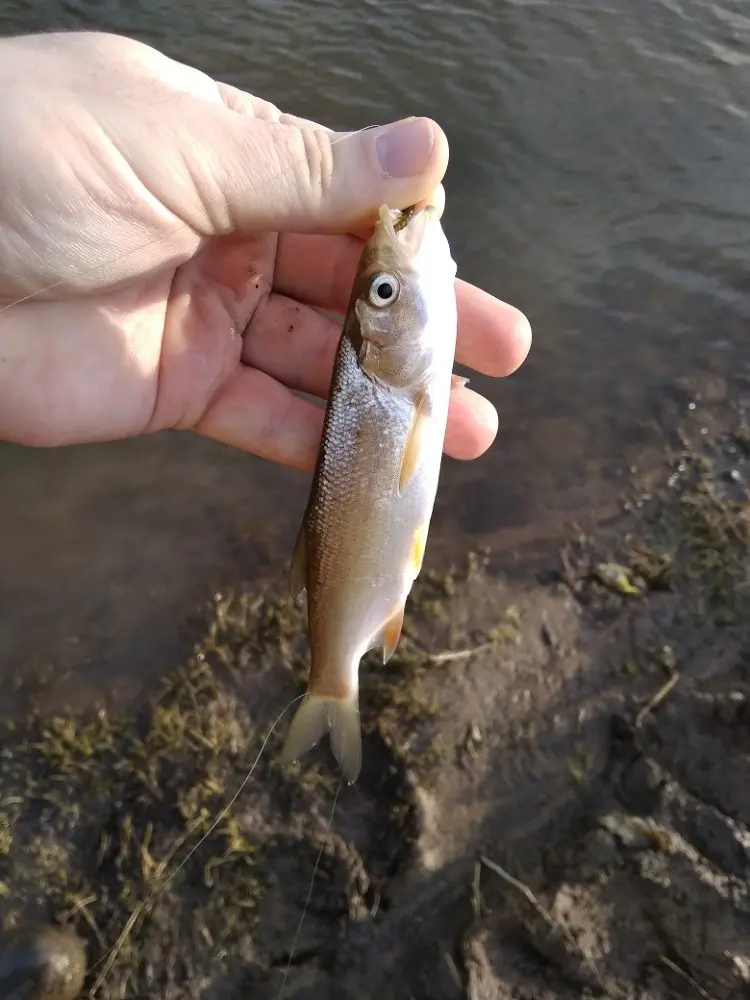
x,y
362,539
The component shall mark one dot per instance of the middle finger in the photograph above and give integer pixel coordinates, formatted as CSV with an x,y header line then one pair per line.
x,y
296,346
493,337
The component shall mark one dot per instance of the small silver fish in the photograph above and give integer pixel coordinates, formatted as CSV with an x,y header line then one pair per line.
x,y
363,535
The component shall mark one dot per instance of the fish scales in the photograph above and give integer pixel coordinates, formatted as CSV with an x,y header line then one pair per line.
x,y
343,550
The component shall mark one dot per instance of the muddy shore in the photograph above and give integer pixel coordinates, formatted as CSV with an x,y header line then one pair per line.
x,y
554,801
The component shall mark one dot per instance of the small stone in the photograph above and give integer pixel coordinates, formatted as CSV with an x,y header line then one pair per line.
x,y
40,962
411,779
547,637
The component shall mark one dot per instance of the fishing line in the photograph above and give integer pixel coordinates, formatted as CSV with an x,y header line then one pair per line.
x,y
113,261
108,959
305,908
237,794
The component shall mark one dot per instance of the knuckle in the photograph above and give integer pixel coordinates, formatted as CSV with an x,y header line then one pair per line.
x,y
318,162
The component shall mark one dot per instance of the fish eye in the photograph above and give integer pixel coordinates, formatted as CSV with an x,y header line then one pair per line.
x,y
384,289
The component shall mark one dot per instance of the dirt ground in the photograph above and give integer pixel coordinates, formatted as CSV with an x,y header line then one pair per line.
x,y
554,801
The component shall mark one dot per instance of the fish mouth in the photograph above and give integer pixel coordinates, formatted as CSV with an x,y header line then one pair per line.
x,y
405,229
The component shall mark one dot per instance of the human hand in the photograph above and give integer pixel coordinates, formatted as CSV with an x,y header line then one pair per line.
x,y
164,243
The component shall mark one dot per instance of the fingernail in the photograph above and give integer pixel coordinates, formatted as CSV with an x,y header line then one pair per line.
x,y
404,148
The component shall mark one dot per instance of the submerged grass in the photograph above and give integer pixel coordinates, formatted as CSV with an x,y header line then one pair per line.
x,y
97,811
690,537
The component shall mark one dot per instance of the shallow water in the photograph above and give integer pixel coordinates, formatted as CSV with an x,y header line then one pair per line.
x,y
599,179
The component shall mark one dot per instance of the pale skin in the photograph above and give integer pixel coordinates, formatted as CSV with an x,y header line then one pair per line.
x,y
165,239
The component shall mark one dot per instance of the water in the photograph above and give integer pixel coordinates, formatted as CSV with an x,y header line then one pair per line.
x,y
599,179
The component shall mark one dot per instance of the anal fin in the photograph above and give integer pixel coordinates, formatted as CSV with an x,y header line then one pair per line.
x,y
388,636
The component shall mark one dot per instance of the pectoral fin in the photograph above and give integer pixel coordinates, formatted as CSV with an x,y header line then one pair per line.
x,y
414,448
390,633
298,568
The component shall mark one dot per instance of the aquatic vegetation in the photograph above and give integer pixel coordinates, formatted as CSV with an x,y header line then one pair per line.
x,y
99,814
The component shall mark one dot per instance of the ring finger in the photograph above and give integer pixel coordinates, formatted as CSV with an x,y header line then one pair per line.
x,y
296,345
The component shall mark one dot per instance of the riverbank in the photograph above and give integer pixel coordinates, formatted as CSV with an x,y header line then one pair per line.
x,y
554,798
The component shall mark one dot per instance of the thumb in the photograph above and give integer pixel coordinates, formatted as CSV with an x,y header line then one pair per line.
x,y
254,175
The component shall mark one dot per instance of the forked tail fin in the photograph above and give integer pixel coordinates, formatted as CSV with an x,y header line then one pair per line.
x,y
317,716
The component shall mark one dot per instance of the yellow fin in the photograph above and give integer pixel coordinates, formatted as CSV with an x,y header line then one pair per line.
x,y
414,447
298,568
419,544
390,633
317,716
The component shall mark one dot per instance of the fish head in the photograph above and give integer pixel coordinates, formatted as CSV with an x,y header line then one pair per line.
x,y
403,293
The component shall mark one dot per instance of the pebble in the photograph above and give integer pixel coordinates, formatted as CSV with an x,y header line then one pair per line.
x,y
41,962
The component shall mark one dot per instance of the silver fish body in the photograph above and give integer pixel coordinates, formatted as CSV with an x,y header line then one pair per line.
x,y
363,536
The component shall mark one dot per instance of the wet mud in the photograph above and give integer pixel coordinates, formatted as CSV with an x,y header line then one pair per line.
x,y
554,801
